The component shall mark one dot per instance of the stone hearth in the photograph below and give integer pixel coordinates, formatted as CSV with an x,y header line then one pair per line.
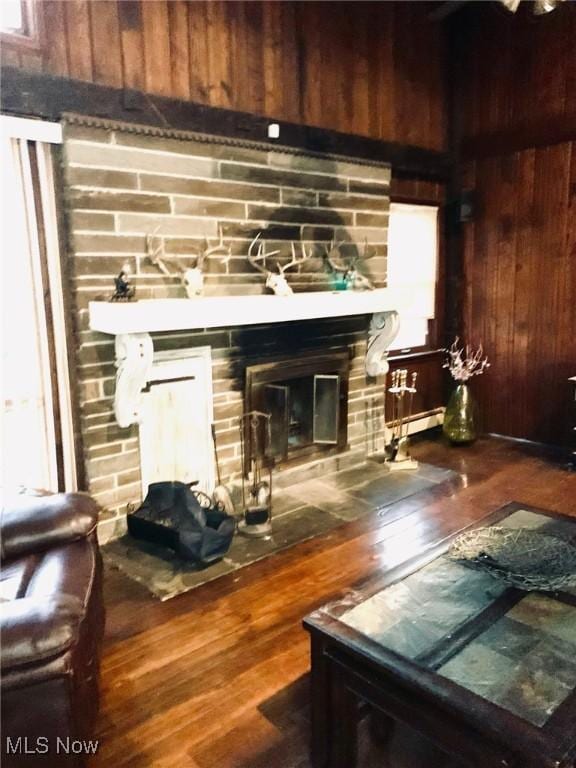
x,y
302,511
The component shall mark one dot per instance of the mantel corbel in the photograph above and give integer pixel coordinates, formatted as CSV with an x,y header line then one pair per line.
x,y
384,327
134,353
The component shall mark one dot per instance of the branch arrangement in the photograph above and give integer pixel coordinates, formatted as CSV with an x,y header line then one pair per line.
x,y
463,363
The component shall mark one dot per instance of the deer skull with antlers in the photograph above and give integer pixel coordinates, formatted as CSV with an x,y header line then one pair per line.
x,y
192,277
353,279
277,282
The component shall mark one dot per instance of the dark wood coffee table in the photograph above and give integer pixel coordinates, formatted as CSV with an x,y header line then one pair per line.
x,y
485,671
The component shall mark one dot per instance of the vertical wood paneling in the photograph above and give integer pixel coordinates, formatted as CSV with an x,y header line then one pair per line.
x,y
520,269
247,72
280,62
156,35
54,30
132,44
198,51
517,100
405,57
179,48
386,80
290,69
219,52
311,63
373,69
78,33
106,48
359,54
518,69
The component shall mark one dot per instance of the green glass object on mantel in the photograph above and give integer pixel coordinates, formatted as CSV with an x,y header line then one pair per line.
x,y
461,415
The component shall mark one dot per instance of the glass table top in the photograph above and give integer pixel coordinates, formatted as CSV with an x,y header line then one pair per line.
x,y
523,659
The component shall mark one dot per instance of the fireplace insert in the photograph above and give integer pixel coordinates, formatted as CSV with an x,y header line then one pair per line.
x,y
307,399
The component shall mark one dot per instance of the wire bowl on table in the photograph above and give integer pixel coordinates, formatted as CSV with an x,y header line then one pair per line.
x,y
522,557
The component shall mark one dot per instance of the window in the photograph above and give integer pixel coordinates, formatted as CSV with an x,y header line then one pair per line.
x,y
17,19
413,267
37,437
12,16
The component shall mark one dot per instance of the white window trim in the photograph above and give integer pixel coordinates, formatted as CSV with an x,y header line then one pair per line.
x,y
31,130
45,133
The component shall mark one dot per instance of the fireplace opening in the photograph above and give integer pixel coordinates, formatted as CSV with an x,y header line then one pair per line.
x,y
307,399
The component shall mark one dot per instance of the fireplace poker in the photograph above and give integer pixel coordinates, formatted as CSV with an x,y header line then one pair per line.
x,y
396,412
401,396
221,496
412,391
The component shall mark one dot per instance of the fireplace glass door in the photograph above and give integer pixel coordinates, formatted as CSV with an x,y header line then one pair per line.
x,y
307,402
326,412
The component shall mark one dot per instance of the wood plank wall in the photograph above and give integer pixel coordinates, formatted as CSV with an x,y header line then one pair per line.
x,y
373,69
517,99
516,77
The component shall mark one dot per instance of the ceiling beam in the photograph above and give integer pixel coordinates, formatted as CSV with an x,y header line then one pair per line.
x,y
45,96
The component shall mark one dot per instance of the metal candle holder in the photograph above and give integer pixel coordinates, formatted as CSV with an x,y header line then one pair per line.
x,y
256,464
402,401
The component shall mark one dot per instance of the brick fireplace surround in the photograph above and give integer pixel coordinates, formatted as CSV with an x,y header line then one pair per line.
x,y
122,182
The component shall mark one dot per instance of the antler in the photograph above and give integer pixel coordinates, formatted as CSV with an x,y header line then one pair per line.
x,y
363,255
331,252
260,255
349,270
212,250
156,252
295,260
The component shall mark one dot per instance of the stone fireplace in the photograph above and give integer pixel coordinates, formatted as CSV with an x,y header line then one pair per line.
x,y
301,357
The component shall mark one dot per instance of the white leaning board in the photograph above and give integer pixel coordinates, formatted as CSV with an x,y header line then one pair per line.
x,y
176,418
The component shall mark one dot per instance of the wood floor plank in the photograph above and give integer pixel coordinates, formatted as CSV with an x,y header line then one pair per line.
x,y
218,677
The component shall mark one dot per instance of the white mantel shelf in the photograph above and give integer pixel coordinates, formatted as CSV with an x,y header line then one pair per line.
x,y
157,315
133,322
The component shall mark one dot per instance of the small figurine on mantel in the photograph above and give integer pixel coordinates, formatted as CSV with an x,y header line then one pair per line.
x,y
124,290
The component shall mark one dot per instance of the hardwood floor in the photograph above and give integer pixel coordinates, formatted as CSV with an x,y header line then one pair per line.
x,y
218,677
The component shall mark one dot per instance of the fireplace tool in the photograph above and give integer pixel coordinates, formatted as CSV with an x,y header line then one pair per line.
x,y
256,441
402,402
221,496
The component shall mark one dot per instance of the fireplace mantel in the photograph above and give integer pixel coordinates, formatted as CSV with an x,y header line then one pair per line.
x,y
133,322
157,315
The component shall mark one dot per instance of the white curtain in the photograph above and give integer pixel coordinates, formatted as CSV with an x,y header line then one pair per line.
x,y
29,453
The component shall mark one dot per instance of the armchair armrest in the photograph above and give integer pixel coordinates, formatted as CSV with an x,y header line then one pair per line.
x,y
36,629
30,524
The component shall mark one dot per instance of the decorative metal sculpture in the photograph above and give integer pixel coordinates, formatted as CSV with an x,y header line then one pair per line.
x,y
526,558
402,400
123,289
463,363
192,277
277,282
257,460
347,267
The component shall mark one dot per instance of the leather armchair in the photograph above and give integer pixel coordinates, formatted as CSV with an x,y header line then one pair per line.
x,y
51,625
